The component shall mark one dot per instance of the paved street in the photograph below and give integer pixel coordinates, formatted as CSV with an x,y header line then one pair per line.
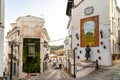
x,y
103,73
54,74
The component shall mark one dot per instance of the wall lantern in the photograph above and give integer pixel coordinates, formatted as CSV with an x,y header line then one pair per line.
x,y
101,33
77,36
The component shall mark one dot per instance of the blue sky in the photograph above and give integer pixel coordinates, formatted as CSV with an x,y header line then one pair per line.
x,y
53,11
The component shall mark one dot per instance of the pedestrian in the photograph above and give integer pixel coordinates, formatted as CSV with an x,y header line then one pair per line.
x,y
87,54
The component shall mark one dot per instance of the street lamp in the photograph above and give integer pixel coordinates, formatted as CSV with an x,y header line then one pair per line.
x,y
11,43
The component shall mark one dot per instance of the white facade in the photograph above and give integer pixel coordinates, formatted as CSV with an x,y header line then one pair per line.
x,y
102,10
1,35
108,14
6,58
28,27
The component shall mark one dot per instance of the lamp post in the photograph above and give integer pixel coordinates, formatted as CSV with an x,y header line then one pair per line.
x,y
11,45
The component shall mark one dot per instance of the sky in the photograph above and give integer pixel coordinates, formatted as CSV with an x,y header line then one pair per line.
x,y
53,11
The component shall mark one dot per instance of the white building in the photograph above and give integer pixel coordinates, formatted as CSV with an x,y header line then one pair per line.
x,y
32,43
2,4
94,23
6,58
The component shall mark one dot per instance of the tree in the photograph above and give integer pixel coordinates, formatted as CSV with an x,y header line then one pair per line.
x,y
54,48
89,33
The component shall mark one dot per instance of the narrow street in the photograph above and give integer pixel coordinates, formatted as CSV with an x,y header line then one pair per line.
x,y
54,74
103,73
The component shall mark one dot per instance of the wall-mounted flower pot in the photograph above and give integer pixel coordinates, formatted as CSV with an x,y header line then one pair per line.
x,y
99,57
80,51
101,43
77,44
75,48
104,47
78,57
98,50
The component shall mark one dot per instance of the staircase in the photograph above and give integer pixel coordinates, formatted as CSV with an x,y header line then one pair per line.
x,y
84,68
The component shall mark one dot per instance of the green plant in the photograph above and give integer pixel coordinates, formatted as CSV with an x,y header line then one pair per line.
x,y
31,64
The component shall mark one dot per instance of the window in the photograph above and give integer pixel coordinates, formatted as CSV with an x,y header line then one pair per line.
x,y
31,49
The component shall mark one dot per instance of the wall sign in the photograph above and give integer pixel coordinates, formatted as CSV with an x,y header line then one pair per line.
x,y
88,10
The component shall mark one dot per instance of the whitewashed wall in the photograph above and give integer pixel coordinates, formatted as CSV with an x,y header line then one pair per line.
x,y
1,50
114,15
1,36
102,10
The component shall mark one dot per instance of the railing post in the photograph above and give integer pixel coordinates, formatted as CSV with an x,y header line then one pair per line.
x,y
97,67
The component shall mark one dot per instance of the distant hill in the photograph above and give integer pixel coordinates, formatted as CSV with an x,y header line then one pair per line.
x,y
59,52
56,49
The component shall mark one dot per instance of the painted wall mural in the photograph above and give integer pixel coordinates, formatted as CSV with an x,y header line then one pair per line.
x,y
89,31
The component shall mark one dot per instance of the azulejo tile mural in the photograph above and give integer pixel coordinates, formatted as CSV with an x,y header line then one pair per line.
x,y
89,31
